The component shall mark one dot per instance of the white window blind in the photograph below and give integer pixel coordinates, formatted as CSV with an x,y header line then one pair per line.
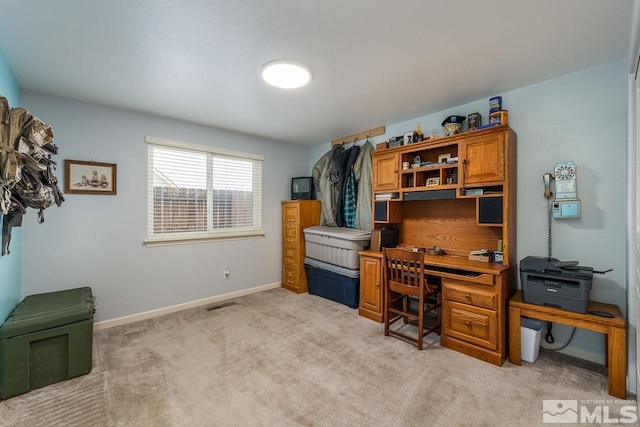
x,y
200,193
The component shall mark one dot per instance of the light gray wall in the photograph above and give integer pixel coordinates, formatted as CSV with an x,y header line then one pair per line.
x,y
580,117
96,240
10,263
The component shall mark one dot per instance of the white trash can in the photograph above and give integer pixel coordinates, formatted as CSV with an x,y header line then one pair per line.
x,y
530,332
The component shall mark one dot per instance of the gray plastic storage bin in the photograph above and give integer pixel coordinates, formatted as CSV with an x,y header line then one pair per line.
x,y
336,245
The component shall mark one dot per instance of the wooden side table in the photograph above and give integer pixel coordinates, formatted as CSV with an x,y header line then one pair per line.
x,y
614,330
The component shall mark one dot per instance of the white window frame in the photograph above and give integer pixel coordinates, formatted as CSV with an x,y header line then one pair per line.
x,y
160,239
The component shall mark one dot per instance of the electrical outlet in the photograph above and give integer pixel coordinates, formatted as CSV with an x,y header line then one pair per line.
x,y
227,273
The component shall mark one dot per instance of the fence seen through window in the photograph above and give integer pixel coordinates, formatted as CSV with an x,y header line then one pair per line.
x,y
202,194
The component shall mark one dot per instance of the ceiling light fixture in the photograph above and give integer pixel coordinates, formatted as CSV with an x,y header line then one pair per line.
x,y
286,74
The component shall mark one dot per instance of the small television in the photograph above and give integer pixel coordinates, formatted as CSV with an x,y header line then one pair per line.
x,y
302,188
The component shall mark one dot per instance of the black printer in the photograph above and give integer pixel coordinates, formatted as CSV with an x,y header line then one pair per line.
x,y
560,284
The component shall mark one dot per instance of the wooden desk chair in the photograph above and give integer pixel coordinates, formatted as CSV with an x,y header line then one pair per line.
x,y
404,278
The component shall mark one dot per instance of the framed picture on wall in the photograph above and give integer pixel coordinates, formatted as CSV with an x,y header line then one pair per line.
x,y
82,177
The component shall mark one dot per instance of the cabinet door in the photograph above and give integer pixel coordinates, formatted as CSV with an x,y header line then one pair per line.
x,y
385,172
484,159
371,287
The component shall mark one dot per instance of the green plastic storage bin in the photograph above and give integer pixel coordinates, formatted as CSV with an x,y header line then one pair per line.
x,y
47,338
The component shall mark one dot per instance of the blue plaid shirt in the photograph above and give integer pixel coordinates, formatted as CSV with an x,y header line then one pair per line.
x,y
350,196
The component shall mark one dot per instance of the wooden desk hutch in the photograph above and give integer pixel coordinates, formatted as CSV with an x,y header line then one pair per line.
x,y
464,204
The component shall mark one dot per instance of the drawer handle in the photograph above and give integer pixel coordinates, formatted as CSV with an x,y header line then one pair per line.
x,y
468,297
290,253
377,285
468,324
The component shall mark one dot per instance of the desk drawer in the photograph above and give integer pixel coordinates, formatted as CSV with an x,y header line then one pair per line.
x,y
471,324
466,293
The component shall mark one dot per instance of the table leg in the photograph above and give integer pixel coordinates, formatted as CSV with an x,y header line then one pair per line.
x,y
514,336
617,362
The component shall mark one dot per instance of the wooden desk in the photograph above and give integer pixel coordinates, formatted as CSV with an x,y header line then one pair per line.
x,y
475,298
614,330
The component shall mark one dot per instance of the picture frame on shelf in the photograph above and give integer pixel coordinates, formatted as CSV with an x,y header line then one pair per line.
x,y
82,177
443,158
407,138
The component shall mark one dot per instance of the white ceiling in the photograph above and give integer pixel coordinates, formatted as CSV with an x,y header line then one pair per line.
x,y
374,62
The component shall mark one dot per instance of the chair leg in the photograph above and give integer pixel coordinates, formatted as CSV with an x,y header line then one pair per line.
x,y
439,312
405,308
420,322
385,311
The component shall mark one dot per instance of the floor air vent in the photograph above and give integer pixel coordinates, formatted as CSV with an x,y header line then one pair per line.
x,y
217,306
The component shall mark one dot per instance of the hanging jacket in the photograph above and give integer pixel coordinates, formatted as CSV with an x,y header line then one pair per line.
x,y
363,171
350,200
344,163
325,178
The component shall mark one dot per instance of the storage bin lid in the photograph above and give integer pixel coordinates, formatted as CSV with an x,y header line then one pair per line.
x,y
339,232
347,272
49,310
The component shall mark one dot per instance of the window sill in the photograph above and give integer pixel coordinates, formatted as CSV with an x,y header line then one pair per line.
x,y
189,241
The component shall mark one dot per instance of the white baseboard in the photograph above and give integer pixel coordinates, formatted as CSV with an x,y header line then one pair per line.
x,y
179,307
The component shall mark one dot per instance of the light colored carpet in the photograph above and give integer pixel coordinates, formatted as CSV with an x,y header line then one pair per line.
x,y
280,359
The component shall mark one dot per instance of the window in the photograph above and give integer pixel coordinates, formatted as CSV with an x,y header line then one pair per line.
x,y
201,193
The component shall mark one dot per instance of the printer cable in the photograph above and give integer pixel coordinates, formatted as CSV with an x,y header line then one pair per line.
x,y
549,337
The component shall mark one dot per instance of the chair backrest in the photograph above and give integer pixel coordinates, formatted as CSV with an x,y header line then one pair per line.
x,y
404,270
